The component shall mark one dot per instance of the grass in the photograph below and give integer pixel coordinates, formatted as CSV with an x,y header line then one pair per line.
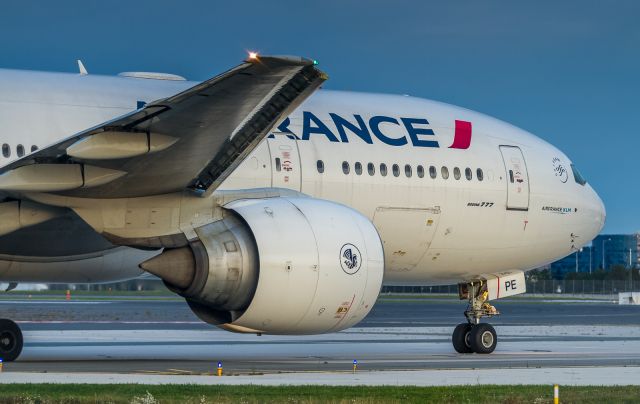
x,y
133,393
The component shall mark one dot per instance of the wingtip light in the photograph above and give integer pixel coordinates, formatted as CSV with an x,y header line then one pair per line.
x,y
253,55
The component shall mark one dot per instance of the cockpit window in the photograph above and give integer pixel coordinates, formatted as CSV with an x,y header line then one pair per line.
x,y
577,176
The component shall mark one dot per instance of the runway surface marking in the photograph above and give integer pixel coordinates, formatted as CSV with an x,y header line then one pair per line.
x,y
570,376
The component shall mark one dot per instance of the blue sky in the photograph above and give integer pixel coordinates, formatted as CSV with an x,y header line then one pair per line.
x,y
566,71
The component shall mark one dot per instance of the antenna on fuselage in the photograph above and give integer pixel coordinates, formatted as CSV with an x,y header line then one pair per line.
x,y
83,70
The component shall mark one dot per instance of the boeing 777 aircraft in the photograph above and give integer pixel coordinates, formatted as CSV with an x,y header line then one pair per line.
x,y
273,206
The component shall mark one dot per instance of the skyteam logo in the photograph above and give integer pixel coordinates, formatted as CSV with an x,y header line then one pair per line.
x,y
388,130
559,170
350,259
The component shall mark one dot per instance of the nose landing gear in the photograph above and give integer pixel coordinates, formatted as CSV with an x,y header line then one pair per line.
x,y
10,340
474,336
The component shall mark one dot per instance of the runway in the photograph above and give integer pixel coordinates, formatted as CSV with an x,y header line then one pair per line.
x,y
163,338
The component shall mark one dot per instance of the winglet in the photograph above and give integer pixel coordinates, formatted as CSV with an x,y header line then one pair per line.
x,y
83,70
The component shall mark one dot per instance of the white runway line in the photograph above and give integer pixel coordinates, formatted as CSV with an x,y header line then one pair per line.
x,y
581,376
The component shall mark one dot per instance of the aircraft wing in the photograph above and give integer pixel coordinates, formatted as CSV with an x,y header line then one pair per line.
x,y
192,140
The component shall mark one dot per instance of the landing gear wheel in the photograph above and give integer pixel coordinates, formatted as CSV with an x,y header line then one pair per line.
x,y
10,340
460,338
483,338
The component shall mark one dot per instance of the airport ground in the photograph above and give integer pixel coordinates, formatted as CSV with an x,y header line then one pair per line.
x,y
155,340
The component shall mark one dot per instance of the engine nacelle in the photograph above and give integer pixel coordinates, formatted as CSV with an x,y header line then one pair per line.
x,y
279,266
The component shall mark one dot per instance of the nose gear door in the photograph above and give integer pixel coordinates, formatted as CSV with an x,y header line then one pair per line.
x,y
517,178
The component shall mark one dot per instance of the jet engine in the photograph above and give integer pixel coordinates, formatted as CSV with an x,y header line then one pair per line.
x,y
278,266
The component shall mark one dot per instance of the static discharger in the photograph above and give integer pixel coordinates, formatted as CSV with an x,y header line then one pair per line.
x,y
219,368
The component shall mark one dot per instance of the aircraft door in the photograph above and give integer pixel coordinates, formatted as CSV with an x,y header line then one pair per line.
x,y
517,178
285,162
406,235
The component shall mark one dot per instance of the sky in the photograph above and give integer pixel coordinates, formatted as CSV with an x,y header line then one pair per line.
x,y
567,71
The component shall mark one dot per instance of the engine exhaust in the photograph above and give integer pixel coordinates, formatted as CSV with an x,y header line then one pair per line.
x,y
176,266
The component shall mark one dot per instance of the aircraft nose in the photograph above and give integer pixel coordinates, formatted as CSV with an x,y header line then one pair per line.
x,y
603,212
600,211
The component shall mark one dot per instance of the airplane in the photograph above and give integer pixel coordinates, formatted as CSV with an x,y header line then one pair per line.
x,y
274,206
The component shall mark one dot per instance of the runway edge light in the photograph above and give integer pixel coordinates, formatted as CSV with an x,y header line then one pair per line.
x,y
355,365
219,368
556,394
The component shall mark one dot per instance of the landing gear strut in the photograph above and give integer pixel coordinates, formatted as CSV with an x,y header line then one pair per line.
x,y
10,340
474,336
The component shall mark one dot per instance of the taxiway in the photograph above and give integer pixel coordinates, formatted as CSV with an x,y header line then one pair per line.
x,y
140,338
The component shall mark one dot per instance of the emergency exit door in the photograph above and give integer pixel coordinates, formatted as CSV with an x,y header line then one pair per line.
x,y
517,178
285,162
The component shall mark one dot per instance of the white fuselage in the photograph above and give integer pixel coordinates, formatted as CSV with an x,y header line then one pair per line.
x,y
519,208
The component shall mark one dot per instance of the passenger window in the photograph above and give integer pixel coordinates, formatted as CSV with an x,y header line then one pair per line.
x,y
358,168
371,169
468,174
396,170
6,151
20,150
278,165
456,173
407,170
420,171
479,174
320,166
345,167
444,171
433,173
383,169
34,148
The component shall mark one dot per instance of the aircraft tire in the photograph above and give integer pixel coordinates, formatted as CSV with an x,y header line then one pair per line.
x,y
460,338
483,338
10,340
